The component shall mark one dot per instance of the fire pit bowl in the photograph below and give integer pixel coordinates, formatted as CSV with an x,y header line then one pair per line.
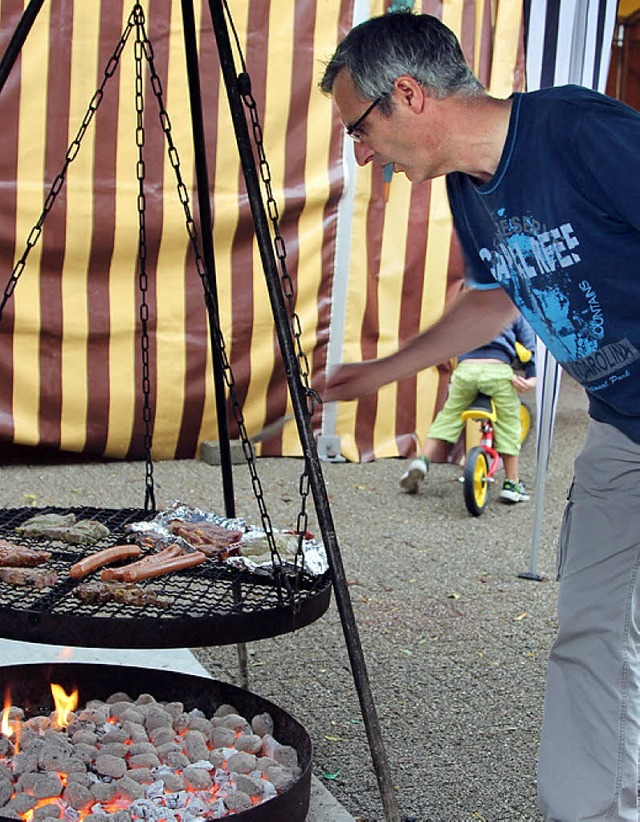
x,y
30,688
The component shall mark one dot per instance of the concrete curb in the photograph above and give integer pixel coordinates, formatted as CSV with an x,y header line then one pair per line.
x,y
323,807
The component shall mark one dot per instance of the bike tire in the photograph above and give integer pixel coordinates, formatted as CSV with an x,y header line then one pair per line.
x,y
525,422
476,483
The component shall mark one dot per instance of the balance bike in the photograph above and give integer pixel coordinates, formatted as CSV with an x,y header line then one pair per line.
x,y
482,461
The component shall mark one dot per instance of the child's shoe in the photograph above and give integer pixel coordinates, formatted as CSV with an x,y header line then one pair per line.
x,y
413,476
513,492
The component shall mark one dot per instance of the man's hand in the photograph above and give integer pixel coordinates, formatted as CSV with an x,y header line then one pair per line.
x,y
522,384
350,381
471,319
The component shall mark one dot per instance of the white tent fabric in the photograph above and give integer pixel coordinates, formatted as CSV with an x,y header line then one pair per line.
x,y
566,42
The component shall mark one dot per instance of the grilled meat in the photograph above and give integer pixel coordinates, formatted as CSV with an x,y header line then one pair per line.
x,y
116,553
46,525
100,593
19,556
213,540
64,527
33,577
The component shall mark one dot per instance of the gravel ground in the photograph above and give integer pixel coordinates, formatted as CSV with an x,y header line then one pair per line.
x,y
455,642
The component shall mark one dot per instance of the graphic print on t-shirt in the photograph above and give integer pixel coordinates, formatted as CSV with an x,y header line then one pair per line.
x,y
536,266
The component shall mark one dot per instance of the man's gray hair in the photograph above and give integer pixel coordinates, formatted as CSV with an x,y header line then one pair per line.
x,y
381,49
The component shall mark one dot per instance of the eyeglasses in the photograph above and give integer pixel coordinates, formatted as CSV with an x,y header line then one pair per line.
x,y
352,130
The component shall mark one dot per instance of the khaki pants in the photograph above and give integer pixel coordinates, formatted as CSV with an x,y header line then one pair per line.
x,y
588,766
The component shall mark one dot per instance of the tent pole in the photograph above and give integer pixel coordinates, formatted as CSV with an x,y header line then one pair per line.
x,y
299,401
547,401
532,571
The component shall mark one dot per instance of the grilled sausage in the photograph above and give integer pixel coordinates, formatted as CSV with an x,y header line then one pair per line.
x,y
92,563
157,569
118,574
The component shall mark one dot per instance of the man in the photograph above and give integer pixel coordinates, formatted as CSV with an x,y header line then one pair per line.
x,y
545,198
488,369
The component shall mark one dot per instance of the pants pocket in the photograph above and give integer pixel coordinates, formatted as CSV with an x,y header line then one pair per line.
x,y
563,537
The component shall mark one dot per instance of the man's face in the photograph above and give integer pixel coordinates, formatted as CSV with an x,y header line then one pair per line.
x,y
397,138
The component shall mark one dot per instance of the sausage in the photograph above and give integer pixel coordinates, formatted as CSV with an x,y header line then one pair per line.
x,y
166,566
117,574
92,563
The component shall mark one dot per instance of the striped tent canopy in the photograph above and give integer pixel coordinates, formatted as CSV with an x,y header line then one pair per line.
x,y
370,267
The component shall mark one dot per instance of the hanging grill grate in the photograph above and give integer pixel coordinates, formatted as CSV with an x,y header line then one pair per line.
x,y
211,604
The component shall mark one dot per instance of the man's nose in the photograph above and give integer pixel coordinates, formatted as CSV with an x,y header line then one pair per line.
x,y
363,153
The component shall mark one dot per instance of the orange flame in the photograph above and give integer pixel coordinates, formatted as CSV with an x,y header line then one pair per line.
x,y
6,728
64,704
10,727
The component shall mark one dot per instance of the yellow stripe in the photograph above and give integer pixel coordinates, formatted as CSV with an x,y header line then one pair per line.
x,y
172,277
505,50
226,210
30,199
261,352
394,242
123,286
478,40
274,120
452,15
84,71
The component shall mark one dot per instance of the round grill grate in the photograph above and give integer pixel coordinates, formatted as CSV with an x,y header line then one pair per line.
x,y
211,604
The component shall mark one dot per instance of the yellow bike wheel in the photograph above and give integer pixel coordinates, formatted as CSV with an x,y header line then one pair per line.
x,y
525,422
476,481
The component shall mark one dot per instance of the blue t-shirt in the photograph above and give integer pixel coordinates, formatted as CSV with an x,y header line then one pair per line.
x,y
558,227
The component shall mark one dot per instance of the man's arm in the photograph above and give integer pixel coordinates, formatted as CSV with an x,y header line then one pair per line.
x,y
472,319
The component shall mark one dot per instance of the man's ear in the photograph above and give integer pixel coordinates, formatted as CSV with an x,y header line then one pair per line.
x,y
410,93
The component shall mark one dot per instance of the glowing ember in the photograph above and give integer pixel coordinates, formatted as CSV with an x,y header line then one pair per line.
x,y
138,759
64,704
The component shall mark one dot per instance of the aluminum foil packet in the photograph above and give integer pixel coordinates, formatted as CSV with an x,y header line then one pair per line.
x,y
252,551
255,552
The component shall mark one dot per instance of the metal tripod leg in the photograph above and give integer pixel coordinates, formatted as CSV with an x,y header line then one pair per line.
x,y
299,402
211,292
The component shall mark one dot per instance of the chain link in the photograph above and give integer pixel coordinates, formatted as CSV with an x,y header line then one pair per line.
x,y
142,48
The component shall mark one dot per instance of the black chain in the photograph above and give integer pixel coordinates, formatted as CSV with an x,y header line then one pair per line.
x,y
142,48
70,156
288,289
312,397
